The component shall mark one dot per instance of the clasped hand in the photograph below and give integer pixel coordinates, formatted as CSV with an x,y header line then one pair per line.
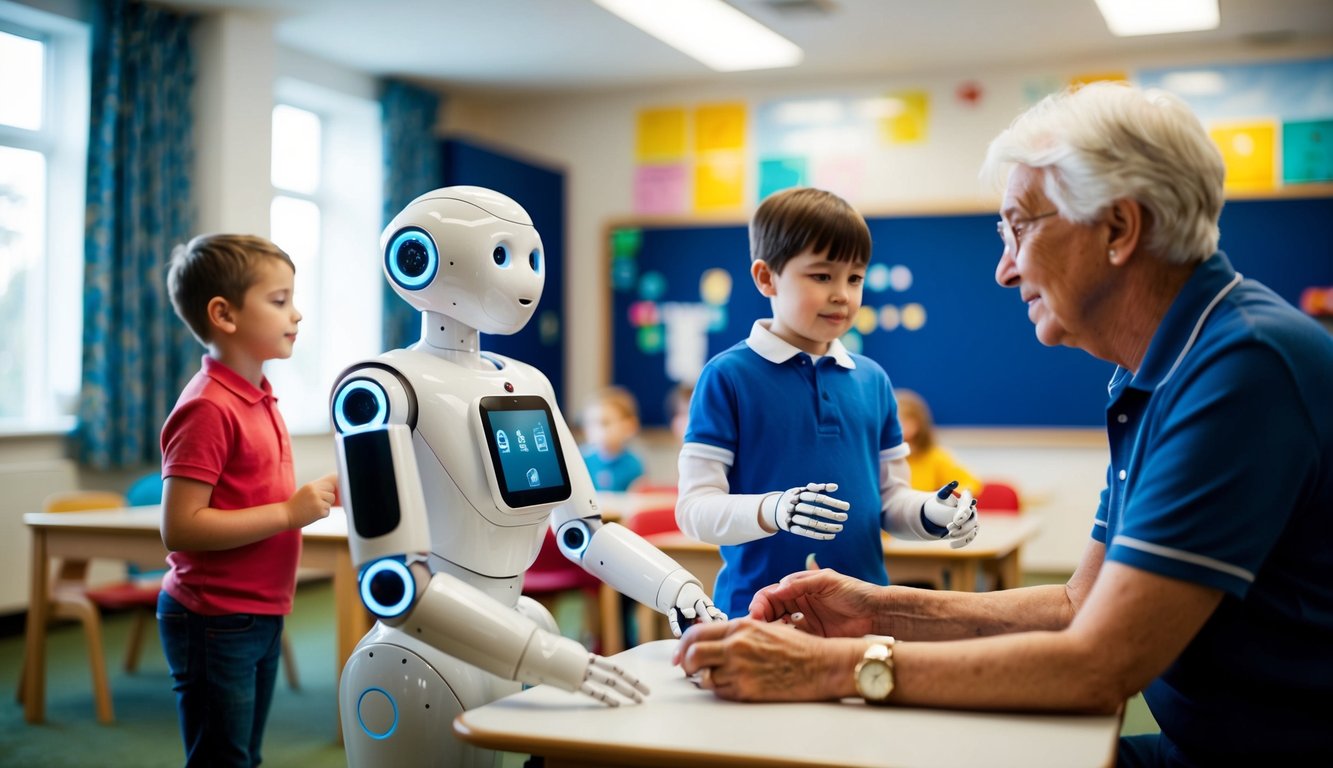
x,y
692,607
807,511
958,516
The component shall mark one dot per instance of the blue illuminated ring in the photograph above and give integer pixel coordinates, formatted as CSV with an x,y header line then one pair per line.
x,y
410,282
392,703
373,570
381,406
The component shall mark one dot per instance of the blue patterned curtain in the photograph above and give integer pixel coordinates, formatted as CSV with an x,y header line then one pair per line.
x,y
411,168
136,354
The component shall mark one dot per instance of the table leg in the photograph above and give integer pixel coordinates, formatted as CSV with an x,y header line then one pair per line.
x,y
612,626
1009,572
39,600
963,575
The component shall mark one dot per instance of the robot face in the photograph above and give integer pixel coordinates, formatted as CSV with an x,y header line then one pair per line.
x,y
469,253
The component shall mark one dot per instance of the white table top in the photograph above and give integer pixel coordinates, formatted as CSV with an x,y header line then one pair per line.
x,y
683,725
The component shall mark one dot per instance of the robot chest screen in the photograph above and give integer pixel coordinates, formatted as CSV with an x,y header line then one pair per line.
x,y
527,463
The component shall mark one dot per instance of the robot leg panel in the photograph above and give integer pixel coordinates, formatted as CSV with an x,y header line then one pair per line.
x,y
398,698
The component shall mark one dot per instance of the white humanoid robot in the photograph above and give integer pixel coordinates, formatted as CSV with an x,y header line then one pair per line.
x,y
452,464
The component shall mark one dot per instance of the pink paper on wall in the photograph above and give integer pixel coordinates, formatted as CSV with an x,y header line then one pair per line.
x,y
660,189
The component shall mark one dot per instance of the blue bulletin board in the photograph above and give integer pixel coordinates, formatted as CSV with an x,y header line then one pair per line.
x,y
973,354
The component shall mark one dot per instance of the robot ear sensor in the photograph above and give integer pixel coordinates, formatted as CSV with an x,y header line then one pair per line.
x,y
412,258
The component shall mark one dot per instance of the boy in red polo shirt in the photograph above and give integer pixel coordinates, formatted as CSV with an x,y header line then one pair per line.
x,y
231,515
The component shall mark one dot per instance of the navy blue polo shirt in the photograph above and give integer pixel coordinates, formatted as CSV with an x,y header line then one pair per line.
x,y
1222,475
781,421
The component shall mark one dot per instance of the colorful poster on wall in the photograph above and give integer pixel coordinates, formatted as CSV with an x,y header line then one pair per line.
x,y
1286,90
1307,152
777,173
719,181
660,135
1249,150
660,190
907,119
719,127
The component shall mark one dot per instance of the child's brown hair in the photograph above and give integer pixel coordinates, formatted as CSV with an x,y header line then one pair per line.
x,y
790,221
215,265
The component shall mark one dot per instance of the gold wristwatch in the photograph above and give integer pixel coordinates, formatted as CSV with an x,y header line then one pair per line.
x,y
874,674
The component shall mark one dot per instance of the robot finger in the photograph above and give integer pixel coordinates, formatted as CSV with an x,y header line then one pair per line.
x,y
603,663
588,689
824,511
827,501
815,523
812,534
963,542
608,675
705,612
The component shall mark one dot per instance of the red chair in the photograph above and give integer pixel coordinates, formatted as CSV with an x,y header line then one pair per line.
x,y
652,625
553,574
999,497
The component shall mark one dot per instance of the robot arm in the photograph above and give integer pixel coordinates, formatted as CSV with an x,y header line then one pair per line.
x,y
389,537
622,558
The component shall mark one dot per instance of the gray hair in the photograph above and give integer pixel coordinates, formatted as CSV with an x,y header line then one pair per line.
x,y
1110,141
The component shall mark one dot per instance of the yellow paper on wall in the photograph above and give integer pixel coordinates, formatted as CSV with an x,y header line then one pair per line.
x,y
1078,81
660,135
719,127
1249,152
907,118
719,181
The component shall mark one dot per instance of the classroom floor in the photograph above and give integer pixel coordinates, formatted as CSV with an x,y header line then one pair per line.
x,y
301,730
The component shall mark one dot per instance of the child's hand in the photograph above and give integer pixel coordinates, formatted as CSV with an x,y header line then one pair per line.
x,y
807,511
311,501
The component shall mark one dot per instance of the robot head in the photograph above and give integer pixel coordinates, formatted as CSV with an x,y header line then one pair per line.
x,y
469,253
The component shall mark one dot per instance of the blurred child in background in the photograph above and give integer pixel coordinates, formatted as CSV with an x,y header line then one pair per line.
x,y
610,421
931,464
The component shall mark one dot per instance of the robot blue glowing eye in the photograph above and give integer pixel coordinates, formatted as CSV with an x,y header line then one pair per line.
x,y
535,259
501,255
361,404
411,259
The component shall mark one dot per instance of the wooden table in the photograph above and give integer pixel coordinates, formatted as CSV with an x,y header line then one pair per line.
x,y
679,724
133,534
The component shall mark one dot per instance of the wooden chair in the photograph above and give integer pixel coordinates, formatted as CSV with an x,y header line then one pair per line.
x,y
72,599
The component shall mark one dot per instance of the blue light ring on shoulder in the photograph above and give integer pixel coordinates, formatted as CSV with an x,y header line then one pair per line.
x,y
422,274
574,538
382,574
351,388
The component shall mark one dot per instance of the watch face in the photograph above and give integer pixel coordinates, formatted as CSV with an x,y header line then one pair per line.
x,y
874,680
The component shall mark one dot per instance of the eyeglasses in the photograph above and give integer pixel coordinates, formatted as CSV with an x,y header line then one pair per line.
x,y
1009,231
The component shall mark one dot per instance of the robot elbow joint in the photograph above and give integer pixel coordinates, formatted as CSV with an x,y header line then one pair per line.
x,y
387,587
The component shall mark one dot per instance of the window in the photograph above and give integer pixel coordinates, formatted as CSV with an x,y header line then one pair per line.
x,y
43,146
325,214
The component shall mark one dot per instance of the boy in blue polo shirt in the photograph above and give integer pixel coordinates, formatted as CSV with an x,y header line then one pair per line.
x,y
790,408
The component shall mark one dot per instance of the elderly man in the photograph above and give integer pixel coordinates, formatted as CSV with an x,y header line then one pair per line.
x,y
1208,582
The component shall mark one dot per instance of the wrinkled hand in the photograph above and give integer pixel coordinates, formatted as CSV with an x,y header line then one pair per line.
x,y
692,607
748,660
311,501
610,684
829,603
958,516
807,511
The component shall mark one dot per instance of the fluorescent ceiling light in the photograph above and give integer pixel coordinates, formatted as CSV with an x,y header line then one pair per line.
x,y
1127,18
711,31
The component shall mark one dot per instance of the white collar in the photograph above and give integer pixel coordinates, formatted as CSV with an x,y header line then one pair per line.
x,y
767,345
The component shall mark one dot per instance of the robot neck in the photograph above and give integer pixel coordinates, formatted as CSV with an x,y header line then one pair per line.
x,y
445,337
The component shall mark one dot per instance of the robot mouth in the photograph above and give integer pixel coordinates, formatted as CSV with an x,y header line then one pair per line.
x,y
524,302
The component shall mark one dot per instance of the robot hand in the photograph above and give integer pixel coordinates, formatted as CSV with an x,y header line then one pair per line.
x,y
692,606
807,511
610,684
957,516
